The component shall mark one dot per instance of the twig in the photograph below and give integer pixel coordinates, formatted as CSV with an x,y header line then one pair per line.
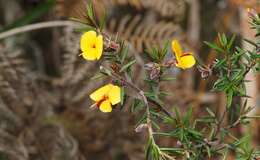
x,y
149,124
138,90
31,27
249,67
237,122
148,115
220,123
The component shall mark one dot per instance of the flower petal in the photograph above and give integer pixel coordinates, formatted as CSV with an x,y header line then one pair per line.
x,y
90,54
99,46
176,47
186,61
87,39
100,93
114,95
105,106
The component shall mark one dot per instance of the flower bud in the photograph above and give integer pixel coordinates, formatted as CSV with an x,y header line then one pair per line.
x,y
205,71
154,70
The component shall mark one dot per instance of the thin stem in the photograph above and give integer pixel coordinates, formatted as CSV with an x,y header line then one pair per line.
x,y
138,90
237,122
220,122
31,27
148,115
249,67
145,100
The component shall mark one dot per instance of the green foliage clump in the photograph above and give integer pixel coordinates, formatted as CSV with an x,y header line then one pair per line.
x,y
196,138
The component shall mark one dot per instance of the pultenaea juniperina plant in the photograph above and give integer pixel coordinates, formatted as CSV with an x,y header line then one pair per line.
x,y
203,138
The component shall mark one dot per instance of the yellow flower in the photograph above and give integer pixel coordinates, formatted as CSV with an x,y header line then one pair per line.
x,y
106,96
91,45
184,59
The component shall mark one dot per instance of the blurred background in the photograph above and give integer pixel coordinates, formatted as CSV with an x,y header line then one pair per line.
x,y
44,84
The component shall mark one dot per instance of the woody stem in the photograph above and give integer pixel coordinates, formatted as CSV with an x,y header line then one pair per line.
x,y
145,100
148,116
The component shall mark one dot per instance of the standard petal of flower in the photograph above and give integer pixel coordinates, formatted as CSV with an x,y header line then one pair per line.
x,y
87,40
114,95
105,106
176,47
186,62
99,46
100,93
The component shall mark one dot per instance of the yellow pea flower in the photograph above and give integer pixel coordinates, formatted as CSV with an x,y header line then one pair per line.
x,y
91,45
106,96
184,59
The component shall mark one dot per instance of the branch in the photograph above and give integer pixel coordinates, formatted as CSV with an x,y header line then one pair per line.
x,y
138,90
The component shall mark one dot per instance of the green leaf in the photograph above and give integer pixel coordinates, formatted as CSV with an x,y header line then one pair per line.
x,y
229,95
153,53
164,78
97,76
105,71
124,53
169,120
163,94
136,105
222,39
164,50
173,150
231,42
152,150
151,82
243,140
90,10
215,47
195,134
155,125
177,113
255,56
208,151
187,117
162,134
127,65
221,84
206,119
148,149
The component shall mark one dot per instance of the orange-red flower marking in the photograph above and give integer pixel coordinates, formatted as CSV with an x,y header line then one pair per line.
x,y
106,96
